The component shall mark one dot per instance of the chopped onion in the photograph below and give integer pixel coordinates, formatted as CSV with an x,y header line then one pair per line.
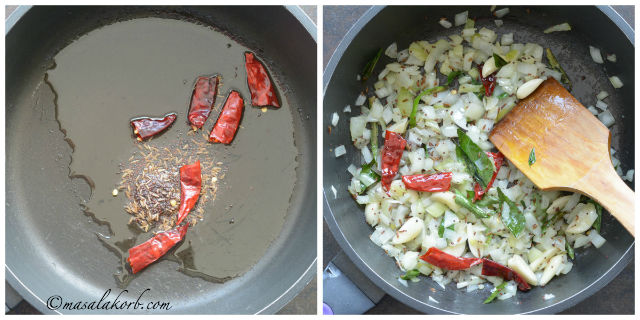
x,y
392,51
366,155
549,296
498,22
606,118
602,95
404,282
340,151
347,109
507,39
616,82
501,13
433,300
461,18
334,119
593,110
446,24
559,27
601,105
361,100
573,201
596,239
612,57
595,54
352,169
335,192
629,175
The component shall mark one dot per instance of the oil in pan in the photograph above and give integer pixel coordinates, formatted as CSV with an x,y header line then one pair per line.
x,y
147,67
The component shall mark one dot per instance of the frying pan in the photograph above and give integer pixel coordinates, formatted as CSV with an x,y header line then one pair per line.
x,y
378,27
51,248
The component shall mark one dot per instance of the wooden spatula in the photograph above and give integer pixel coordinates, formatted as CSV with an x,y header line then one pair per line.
x,y
571,149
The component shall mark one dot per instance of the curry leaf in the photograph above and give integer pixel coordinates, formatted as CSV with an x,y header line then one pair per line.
x,y
513,219
478,159
532,157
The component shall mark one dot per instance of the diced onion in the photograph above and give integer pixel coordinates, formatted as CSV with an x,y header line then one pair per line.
x,y
433,300
596,239
366,155
593,110
347,109
612,57
361,100
340,151
602,94
595,54
498,22
501,13
601,105
334,119
446,24
403,282
559,27
616,82
507,39
606,118
392,51
335,192
548,296
629,175
461,18
352,169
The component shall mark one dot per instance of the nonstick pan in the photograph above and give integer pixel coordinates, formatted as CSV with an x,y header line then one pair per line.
x,y
597,26
51,246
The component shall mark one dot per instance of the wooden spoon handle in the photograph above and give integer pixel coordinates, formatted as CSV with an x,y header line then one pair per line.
x,y
605,186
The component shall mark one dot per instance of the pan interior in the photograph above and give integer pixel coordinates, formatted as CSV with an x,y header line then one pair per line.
x,y
593,268
58,251
147,67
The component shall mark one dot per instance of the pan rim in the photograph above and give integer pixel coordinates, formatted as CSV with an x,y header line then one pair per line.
x,y
280,301
371,274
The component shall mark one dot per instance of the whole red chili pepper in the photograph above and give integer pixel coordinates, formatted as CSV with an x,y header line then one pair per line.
x,y
145,127
428,182
498,160
489,82
263,92
229,119
151,250
391,154
492,268
447,261
190,182
202,98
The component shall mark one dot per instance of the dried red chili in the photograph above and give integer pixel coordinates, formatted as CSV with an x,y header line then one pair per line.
x,y
391,154
151,250
498,160
492,268
229,119
263,92
202,98
447,261
428,182
190,182
145,127
489,82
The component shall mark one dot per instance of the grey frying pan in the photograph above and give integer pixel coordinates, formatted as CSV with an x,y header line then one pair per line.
x,y
378,28
51,247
